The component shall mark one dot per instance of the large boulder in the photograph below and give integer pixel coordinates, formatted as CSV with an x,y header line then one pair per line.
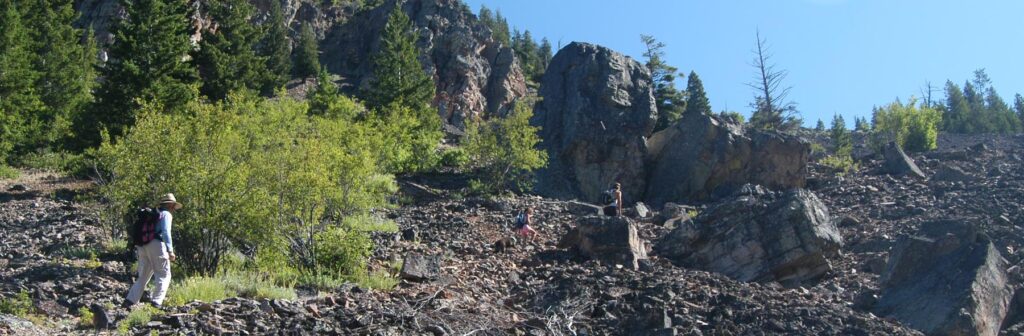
x,y
420,267
898,163
609,239
948,279
597,109
704,156
758,235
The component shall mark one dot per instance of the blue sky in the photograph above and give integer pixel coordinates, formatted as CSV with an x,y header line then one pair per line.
x,y
843,56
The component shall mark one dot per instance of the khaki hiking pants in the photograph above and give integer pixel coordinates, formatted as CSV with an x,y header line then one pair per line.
x,y
153,261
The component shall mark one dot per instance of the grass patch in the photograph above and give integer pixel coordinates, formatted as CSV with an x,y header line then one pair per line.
x,y
370,223
692,213
78,252
85,317
840,164
231,284
6,172
138,317
382,281
320,281
54,161
19,305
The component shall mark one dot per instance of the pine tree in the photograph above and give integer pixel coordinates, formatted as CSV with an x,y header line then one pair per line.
x,y
772,110
324,93
275,48
226,57
697,101
307,54
1018,106
147,63
957,110
669,101
527,51
65,60
999,113
545,54
820,126
861,124
841,143
398,75
20,104
501,29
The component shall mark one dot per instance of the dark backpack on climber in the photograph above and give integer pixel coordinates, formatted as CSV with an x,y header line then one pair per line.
x,y
519,221
143,229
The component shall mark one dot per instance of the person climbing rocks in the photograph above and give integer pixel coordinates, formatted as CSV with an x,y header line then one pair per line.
x,y
614,195
155,250
523,221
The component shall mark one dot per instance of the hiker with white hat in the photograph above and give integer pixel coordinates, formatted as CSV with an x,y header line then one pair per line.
x,y
151,235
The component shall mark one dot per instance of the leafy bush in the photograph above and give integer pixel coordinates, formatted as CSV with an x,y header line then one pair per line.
x,y
733,115
842,164
342,250
225,285
248,170
56,161
6,172
19,305
454,157
378,280
505,150
914,128
138,317
85,317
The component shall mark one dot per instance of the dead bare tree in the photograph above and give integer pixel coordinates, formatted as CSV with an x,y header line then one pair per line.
x,y
772,109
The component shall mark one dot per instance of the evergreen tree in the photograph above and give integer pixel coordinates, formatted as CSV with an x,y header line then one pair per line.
x,y
19,102
275,49
324,93
841,140
398,75
501,29
1018,106
65,60
147,63
307,55
772,110
956,112
820,126
861,124
226,57
999,113
528,53
696,101
670,102
545,54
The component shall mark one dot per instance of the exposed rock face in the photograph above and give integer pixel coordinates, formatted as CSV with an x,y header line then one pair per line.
x,y
419,267
703,155
610,239
596,111
474,74
946,280
758,236
898,163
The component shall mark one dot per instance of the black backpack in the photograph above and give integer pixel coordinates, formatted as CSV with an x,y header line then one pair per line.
x,y
143,229
608,196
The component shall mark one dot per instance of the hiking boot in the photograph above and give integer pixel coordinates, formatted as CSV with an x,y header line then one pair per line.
x,y
156,305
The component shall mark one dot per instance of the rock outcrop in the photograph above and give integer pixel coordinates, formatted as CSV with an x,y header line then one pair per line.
x,y
419,267
948,279
596,112
609,239
760,236
475,75
703,155
898,163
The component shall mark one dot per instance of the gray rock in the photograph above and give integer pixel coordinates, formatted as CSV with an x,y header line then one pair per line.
x,y
898,163
610,239
51,308
410,234
641,210
951,173
946,280
704,156
101,318
18,187
596,112
418,267
785,237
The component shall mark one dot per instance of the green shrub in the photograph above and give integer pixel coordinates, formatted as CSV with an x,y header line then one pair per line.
x,y
454,157
226,285
817,148
19,305
6,172
342,250
505,151
55,161
377,280
249,171
85,317
71,252
842,164
138,317
370,223
205,289
842,143
914,128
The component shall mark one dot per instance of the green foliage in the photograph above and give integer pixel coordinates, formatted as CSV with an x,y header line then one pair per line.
x,y
842,143
85,317
732,115
1018,107
533,58
327,101
914,128
147,64
671,103
306,57
19,305
497,23
249,171
60,161
817,148
6,172
225,285
378,280
408,137
842,164
454,157
861,124
138,317
978,108
226,58
370,223
820,127
696,101
275,48
772,109
398,76
505,150
342,250
20,103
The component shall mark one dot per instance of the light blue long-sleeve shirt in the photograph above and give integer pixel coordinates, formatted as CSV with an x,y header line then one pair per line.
x,y
164,229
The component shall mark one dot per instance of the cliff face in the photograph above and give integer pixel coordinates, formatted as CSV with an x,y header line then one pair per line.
x,y
474,74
